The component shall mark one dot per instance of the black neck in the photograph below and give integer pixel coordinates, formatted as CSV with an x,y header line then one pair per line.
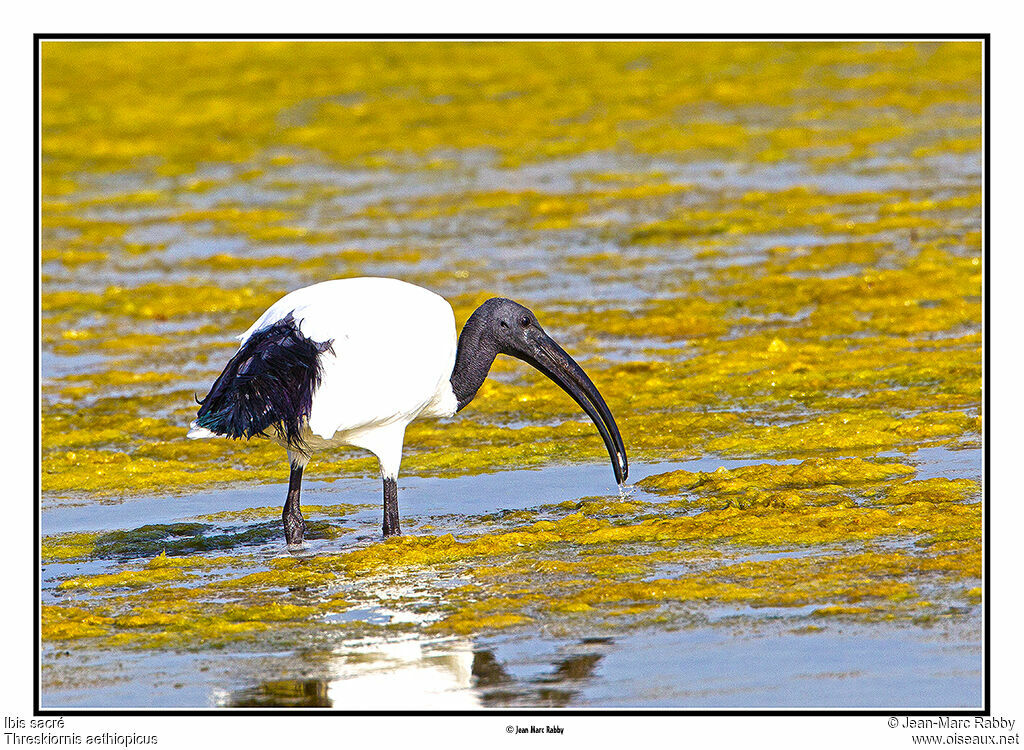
x,y
474,357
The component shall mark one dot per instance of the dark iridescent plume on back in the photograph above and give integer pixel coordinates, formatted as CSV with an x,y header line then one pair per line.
x,y
269,383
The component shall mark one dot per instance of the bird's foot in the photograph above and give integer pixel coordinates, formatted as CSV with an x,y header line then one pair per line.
x,y
295,531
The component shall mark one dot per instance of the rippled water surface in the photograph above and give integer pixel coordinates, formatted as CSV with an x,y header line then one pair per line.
x,y
767,257
709,656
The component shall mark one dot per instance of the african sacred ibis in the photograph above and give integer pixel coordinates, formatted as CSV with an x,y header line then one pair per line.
x,y
354,361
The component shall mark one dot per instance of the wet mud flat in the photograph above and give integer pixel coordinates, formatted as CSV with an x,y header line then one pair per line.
x,y
768,258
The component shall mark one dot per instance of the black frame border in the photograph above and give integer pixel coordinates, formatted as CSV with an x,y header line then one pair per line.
x,y
984,38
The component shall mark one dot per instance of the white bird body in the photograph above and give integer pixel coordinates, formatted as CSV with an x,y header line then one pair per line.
x,y
392,353
354,361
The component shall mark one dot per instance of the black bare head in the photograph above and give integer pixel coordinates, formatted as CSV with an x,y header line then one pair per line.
x,y
507,323
502,326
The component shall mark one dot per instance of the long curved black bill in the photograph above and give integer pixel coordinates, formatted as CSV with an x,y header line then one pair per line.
x,y
553,361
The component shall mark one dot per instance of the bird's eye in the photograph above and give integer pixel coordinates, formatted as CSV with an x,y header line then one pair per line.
x,y
524,321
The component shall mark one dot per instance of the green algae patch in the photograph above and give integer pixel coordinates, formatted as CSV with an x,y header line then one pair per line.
x,y
66,547
178,539
274,612
68,623
807,474
190,625
175,545
600,506
786,583
152,300
604,566
469,622
252,514
191,561
865,431
396,99
174,602
129,578
934,491
752,373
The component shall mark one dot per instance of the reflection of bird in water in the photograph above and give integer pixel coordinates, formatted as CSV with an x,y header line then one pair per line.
x,y
414,674
405,675
282,694
354,361
402,675
554,689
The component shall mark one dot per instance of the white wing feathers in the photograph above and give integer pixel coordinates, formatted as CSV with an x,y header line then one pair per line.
x,y
393,353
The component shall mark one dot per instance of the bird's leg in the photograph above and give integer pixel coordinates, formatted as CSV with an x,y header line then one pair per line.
x,y
391,527
294,525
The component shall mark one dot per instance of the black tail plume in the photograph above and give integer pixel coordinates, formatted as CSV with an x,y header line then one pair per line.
x,y
269,383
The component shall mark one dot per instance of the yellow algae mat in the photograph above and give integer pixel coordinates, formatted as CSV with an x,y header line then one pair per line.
x,y
768,256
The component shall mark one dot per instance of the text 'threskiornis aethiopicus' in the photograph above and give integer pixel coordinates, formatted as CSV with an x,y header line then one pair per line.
x,y
354,361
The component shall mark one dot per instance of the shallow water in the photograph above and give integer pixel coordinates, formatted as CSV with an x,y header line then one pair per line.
x,y
718,656
767,257
700,667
